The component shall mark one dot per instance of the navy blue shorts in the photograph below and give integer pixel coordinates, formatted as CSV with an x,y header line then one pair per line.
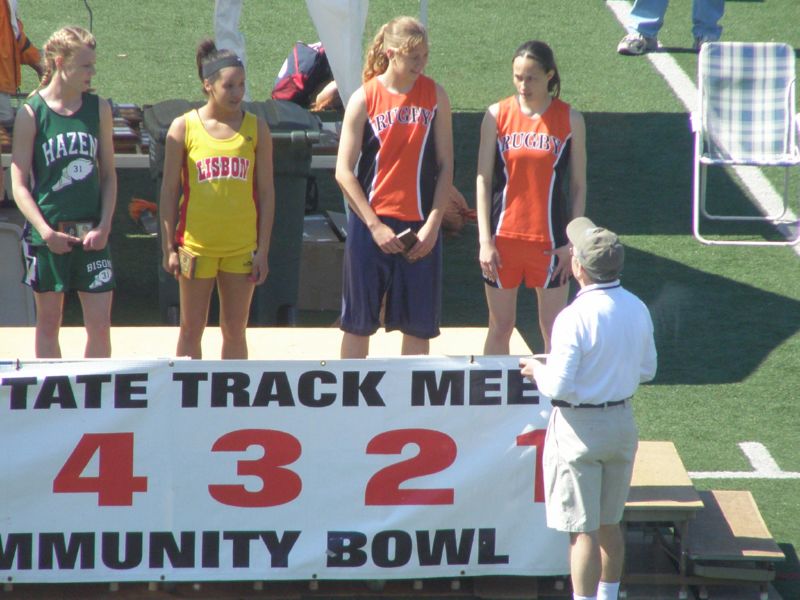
x,y
413,290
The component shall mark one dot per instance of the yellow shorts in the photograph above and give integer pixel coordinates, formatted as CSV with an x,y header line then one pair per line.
x,y
207,267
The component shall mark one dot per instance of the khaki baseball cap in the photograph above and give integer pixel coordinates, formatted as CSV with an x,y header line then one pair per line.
x,y
597,249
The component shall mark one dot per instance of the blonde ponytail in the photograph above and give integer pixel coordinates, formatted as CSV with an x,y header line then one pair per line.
x,y
376,62
400,34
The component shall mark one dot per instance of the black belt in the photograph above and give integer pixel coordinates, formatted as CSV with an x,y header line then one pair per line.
x,y
563,404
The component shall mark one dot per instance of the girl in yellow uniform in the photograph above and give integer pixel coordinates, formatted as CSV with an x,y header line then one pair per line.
x,y
217,205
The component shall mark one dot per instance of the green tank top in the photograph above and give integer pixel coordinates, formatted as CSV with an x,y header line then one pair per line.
x,y
66,179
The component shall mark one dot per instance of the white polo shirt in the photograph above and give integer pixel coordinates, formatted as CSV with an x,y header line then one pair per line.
x,y
602,347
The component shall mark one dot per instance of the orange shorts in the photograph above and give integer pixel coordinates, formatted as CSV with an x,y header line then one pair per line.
x,y
524,261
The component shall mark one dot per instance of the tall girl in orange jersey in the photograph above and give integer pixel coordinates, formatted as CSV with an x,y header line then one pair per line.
x,y
217,205
532,148
395,167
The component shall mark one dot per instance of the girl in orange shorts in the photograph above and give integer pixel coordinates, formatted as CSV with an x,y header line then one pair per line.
x,y
532,148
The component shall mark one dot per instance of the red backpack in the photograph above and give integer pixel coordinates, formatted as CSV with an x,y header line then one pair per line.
x,y
303,73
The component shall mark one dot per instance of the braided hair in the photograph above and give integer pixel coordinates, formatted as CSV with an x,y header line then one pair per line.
x,y
65,42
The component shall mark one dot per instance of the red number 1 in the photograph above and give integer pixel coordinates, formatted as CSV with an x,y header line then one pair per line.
x,y
535,438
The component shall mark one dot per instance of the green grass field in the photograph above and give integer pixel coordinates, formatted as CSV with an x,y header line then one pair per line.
x,y
727,319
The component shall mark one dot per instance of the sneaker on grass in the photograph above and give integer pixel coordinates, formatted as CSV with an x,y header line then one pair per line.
x,y
635,44
699,41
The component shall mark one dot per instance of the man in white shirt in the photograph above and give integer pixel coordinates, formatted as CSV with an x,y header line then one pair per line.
x,y
602,348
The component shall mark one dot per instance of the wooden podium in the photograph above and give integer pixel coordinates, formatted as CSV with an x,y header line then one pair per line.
x,y
273,343
701,538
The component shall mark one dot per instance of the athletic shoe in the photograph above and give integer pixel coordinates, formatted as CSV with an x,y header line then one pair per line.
x,y
699,41
635,44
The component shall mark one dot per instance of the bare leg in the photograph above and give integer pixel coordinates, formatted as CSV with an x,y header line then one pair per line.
x,y
414,345
235,294
584,561
502,319
551,301
195,298
354,346
49,309
612,552
97,320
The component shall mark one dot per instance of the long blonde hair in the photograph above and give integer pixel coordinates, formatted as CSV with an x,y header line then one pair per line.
x,y
64,43
401,34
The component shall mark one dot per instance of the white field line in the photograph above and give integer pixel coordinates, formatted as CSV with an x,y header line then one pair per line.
x,y
764,466
761,191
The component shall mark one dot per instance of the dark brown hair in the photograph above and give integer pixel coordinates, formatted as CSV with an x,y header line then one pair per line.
x,y
543,54
207,53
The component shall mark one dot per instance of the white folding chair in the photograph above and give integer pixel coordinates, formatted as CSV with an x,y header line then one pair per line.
x,y
746,117
16,298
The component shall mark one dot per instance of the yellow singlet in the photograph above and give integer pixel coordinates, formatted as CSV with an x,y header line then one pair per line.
x,y
218,210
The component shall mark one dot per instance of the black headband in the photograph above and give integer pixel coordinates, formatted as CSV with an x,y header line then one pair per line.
x,y
220,63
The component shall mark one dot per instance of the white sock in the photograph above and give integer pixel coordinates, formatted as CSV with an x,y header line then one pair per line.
x,y
577,597
607,590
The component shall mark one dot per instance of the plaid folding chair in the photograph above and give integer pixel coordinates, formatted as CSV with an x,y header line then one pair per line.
x,y
746,117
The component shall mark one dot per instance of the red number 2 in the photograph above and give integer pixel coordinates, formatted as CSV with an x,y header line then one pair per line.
x,y
115,482
437,451
535,438
279,485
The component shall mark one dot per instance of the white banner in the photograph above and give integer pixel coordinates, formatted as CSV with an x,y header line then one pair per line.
x,y
254,470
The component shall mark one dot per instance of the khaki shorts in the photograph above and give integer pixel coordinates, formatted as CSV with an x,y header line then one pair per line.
x,y
587,464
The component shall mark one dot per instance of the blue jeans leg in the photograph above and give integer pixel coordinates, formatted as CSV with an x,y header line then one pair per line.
x,y
647,17
705,19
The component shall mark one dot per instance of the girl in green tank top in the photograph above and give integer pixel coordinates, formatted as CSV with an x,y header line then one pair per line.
x,y
64,182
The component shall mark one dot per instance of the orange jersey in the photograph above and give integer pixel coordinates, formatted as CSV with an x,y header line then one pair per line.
x,y
397,167
218,212
528,200
14,51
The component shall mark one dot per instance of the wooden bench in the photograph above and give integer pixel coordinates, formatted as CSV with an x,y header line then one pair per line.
x,y
662,493
661,490
720,537
729,541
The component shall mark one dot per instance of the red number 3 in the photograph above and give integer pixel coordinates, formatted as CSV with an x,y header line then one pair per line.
x,y
279,485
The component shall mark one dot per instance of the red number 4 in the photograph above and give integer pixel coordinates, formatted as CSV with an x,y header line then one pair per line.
x,y
115,482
